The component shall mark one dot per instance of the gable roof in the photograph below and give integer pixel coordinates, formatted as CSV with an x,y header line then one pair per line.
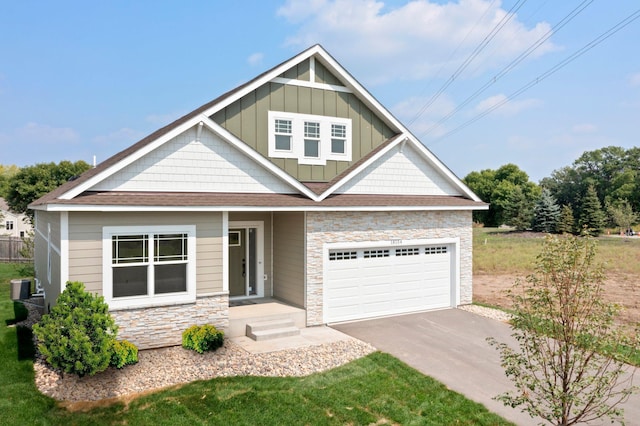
x,y
316,192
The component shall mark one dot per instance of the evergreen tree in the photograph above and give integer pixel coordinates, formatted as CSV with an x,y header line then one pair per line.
x,y
546,213
565,220
592,217
518,210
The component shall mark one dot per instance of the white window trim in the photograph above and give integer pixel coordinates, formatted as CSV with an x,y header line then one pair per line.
x,y
297,137
155,299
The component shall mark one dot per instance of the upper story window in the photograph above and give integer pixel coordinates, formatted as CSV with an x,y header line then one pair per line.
x,y
282,135
311,139
9,225
338,138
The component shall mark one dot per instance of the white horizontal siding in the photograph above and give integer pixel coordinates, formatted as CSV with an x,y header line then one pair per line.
x,y
185,164
400,173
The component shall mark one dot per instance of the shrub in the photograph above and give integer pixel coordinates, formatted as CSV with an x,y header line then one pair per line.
x,y
77,336
202,338
123,353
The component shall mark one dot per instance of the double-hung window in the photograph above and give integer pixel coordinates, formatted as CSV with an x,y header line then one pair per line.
x,y
338,138
8,225
283,135
310,139
148,265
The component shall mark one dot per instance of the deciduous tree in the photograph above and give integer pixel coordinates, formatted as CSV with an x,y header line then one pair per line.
x,y
566,367
32,182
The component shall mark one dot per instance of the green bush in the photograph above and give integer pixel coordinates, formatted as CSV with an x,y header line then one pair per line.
x,y
123,353
201,338
78,335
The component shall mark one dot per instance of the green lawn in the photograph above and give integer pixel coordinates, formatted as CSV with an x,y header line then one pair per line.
x,y
378,389
499,251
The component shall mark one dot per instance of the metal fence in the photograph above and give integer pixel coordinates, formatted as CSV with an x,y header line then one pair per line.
x,y
10,248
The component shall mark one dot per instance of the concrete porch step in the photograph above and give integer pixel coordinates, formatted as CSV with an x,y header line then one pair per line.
x,y
240,316
274,329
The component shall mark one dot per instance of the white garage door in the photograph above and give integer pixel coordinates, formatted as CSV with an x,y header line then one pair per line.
x,y
369,282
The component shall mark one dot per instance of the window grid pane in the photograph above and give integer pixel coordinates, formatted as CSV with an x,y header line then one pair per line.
x,y
283,126
338,131
130,249
311,130
170,247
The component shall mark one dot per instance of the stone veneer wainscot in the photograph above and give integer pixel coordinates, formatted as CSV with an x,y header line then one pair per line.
x,y
333,227
161,326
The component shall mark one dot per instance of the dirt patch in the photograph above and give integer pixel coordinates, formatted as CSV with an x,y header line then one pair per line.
x,y
623,289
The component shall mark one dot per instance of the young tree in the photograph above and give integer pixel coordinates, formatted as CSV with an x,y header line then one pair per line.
x,y
546,213
566,368
592,218
518,210
566,220
622,215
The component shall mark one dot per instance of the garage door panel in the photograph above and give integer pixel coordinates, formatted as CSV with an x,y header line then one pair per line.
x,y
408,280
375,289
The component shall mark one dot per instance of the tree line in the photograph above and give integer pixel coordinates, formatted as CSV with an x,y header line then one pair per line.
x,y
600,189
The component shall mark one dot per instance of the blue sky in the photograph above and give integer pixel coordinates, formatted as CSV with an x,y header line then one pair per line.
x,y
80,79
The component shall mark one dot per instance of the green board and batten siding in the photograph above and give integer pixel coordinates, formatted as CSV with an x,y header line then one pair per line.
x,y
247,119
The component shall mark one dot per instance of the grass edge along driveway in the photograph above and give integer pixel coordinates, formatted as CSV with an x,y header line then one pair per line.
x,y
376,389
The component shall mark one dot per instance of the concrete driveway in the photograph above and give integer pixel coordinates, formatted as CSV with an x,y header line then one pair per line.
x,y
450,346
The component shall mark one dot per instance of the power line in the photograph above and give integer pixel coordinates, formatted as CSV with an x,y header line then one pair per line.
x,y
563,22
602,37
451,55
487,39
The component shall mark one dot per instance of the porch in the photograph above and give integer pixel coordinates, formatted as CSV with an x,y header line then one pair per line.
x,y
249,312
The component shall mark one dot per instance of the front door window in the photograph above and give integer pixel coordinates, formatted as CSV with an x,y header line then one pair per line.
x,y
243,262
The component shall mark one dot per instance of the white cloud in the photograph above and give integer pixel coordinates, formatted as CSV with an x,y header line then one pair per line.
x,y
426,122
43,133
584,128
413,41
506,107
634,79
36,143
255,59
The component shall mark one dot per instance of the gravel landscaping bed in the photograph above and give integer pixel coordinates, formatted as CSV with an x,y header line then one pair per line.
x,y
495,314
158,368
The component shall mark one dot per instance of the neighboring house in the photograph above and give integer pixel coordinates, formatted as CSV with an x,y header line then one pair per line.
x,y
13,224
297,185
